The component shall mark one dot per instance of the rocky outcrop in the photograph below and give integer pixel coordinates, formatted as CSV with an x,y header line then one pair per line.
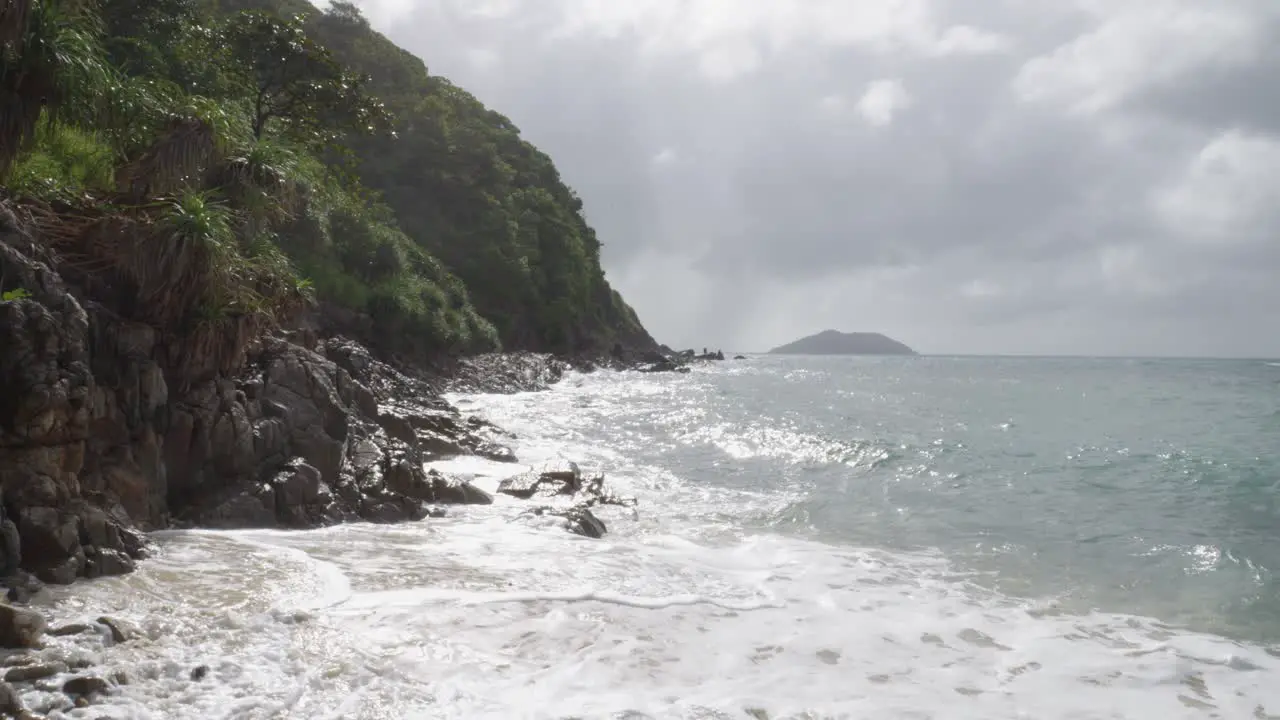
x,y
505,373
565,480
663,360
111,427
105,430
333,448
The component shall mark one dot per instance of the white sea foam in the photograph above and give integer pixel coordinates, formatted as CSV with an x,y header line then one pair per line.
x,y
678,613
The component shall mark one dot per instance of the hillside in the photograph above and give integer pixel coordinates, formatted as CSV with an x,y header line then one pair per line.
x,y
320,162
832,342
464,184
242,258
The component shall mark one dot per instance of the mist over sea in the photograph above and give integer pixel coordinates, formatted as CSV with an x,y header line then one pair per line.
x,y
921,537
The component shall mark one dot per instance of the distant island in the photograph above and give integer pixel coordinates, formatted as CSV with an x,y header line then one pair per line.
x,y
832,342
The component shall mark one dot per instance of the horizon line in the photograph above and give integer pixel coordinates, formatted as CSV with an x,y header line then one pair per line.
x,y
1016,355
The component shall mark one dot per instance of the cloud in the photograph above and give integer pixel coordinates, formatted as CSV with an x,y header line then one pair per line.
x,y
1089,176
882,100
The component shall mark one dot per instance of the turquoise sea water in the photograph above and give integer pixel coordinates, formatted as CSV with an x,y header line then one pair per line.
x,y
1138,486
911,538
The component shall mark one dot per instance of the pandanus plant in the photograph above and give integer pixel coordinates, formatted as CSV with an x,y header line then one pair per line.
x,y
51,64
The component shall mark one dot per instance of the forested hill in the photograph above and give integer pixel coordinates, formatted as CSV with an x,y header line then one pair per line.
x,y
310,157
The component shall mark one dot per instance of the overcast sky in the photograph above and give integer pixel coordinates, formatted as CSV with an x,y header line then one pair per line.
x,y
968,176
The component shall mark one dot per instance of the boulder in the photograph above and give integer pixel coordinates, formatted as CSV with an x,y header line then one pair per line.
x,y
11,704
554,479
20,628
450,490
34,671
121,630
86,686
578,520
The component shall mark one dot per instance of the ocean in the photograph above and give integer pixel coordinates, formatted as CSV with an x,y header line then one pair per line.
x,y
923,537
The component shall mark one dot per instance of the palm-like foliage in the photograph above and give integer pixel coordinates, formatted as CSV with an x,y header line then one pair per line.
x,y
51,63
262,180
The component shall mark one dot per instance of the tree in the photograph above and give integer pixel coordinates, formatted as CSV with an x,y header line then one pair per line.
x,y
295,81
51,64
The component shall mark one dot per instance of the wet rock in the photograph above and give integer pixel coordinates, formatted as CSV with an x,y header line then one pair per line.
x,y
21,587
34,671
11,543
20,628
121,630
453,491
582,522
19,659
398,427
506,373
86,686
72,629
578,520
555,479
50,541
252,507
11,704
199,673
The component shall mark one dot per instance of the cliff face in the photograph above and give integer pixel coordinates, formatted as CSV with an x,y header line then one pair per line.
x,y
101,431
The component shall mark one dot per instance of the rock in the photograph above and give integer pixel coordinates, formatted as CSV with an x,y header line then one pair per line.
x,y
582,522
11,543
120,677
72,629
86,686
739,357
556,479
199,673
578,520
453,491
506,373
20,628
11,704
523,486
50,541
252,507
121,630
35,671
398,427
21,587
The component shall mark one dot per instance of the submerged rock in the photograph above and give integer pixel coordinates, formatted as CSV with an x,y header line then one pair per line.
x,y
20,628
86,686
11,704
34,671
72,629
577,519
121,630
554,479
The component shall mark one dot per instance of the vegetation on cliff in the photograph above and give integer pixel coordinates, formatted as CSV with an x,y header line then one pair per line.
x,y
210,167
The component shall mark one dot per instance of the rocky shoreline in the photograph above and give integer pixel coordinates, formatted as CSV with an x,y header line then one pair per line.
x,y
110,428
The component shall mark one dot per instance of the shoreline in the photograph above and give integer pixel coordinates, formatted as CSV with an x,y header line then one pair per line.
x,y
305,428
931,618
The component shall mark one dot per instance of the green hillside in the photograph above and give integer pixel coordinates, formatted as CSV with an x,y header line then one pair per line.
x,y
284,155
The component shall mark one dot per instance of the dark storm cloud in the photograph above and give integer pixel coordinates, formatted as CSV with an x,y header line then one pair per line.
x,y
1092,176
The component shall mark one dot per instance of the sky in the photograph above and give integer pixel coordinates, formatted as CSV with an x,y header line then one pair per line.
x,y
1097,177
